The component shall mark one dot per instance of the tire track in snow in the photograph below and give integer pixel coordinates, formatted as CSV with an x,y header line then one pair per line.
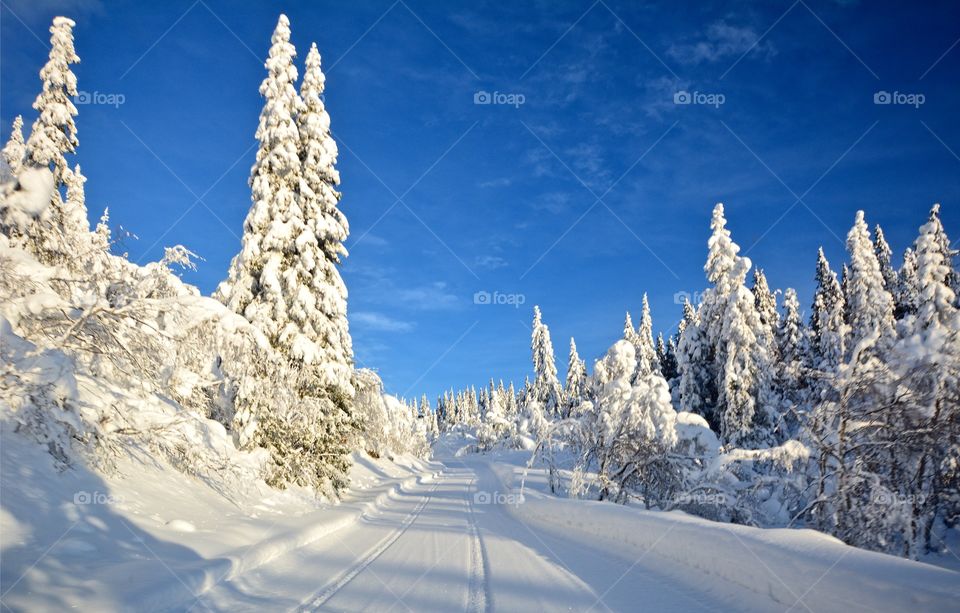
x,y
330,590
478,599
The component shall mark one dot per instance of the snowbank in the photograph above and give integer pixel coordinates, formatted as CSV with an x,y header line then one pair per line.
x,y
150,538
791,567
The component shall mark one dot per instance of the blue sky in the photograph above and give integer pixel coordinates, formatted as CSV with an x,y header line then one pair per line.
x,y
595,189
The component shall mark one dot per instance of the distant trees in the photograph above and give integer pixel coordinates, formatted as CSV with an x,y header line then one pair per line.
x,y
848,423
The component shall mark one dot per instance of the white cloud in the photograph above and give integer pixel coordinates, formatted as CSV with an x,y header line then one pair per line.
x,y
491,262
378,321
432,297
723,40
501,182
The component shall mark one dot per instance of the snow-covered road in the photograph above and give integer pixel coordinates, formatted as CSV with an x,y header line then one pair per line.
x,y
450,544
461,540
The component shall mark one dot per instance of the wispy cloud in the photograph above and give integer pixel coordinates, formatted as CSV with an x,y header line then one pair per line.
x,y
432,297
553,202
380,322
501,182
490,262
723,40
380,287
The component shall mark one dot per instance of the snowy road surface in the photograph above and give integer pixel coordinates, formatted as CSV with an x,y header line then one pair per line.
x,y
448,535
463,541
449,544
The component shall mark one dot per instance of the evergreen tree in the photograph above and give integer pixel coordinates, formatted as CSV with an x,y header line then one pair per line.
x,y
908,287
54,133
739,345
511,409
573,389
934,271
645,350
789,366
721,269
284,280
52,137
744,388
321,315
666,356
946,252
869,304
76,226
827,328
697,387
629,332
15,149
765,301
929,428
844,288
546,388
885,260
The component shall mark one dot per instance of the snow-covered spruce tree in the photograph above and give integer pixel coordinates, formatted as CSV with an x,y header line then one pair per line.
x,y
646,351
511,407
738,344
859,409
494,425
285,280
633,428
52,137
744,402
885,259
721,270
546,389
667,358
908,292
844,277
15,149
630,332
929,355
54,133
946,251
790,374
573,390
827,328
322,314
765,302
76,226
697,387
869,304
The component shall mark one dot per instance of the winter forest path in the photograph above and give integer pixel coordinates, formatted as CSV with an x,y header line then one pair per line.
x,y
449,544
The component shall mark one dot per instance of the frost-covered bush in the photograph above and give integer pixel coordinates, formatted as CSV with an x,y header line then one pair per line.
x,y
387,426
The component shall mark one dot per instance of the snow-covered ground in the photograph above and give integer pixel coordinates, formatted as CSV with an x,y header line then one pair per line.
x,y
453,534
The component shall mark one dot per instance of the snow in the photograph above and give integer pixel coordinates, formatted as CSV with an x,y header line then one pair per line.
x,y
451,534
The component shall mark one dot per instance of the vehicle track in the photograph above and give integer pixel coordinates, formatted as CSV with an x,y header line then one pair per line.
x,y
319,598
478,598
